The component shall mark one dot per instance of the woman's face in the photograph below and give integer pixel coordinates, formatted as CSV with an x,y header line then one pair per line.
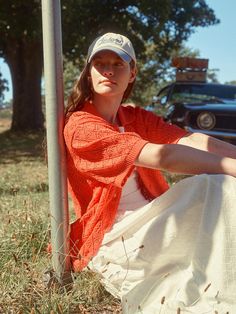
x,y
110,75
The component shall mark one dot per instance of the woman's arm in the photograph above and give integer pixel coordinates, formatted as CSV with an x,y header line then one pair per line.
x,y
208,143
183,159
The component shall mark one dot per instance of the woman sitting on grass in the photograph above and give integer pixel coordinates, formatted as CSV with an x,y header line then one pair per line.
x,y
159,249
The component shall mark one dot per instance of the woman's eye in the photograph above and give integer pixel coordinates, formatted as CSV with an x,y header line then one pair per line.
x,y
118,64
97,63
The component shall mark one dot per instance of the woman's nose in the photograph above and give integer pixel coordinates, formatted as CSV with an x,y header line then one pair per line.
x,y
108,71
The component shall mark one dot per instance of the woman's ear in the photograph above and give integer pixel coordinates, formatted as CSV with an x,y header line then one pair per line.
x,y
133,73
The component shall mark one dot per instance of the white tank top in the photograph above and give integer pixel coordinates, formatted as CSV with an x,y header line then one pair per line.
x,y
131,197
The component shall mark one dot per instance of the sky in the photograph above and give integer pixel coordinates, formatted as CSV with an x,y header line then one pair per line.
x,y
216,43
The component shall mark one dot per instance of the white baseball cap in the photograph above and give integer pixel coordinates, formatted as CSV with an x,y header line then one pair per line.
x,y
117,43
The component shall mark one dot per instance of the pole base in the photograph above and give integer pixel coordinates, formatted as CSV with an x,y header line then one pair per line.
x,y
51,280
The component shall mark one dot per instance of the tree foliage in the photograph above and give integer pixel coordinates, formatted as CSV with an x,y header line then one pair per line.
x,y
231,82
159,26
165,23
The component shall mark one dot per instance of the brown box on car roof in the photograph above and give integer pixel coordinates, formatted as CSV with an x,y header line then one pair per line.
x,y
195,76
190,69
189,63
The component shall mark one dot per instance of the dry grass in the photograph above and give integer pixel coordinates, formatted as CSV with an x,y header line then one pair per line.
x,y
24,235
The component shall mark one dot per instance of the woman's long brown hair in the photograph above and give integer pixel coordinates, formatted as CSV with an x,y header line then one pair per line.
x,y
82,91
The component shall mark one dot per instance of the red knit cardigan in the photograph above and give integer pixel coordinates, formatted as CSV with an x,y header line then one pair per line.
x,y
99,161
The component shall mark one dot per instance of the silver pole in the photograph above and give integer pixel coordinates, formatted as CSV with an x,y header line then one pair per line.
x,y
53,72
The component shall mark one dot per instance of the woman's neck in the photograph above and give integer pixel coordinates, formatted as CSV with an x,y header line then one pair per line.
x,y
107,108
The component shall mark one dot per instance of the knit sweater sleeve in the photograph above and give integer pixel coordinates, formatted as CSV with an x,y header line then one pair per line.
x,y
99,151
157,130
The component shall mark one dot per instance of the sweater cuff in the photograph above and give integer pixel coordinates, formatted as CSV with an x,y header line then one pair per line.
x,y
132,156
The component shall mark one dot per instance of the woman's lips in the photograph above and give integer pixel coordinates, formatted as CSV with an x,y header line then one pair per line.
x,y
107,82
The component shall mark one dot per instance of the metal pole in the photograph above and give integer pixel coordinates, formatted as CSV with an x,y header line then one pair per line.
x,y
53,71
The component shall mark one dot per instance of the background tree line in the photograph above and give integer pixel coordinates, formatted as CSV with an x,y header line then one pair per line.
x,y
157,28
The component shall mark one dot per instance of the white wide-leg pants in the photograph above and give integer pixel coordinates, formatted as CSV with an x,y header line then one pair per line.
x,y
178,253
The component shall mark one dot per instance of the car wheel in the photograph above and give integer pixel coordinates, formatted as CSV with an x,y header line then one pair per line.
x,y
206,120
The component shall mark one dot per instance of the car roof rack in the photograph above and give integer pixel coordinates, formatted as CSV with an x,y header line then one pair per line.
x,y
190,69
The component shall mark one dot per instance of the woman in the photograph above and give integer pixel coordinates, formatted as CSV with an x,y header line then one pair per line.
x,y
160,250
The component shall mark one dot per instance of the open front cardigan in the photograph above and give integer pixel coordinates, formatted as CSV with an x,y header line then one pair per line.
x,y
99,161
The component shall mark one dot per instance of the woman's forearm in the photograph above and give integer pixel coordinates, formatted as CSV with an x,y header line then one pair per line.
x,y
210,144
183,159
188,160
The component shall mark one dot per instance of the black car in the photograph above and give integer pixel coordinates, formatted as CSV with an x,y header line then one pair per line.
x,y
200,107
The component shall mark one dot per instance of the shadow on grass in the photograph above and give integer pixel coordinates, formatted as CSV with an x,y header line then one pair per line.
x,y
16,146
14,190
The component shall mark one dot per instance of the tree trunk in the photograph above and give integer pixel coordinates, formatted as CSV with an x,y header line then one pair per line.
x,y
24,58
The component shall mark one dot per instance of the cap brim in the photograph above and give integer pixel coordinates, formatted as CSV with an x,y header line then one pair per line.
x,y
122,54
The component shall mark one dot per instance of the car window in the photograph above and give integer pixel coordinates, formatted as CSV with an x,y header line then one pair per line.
x,y
202,92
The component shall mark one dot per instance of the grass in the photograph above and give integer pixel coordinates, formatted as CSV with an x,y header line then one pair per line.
x,y
25,233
